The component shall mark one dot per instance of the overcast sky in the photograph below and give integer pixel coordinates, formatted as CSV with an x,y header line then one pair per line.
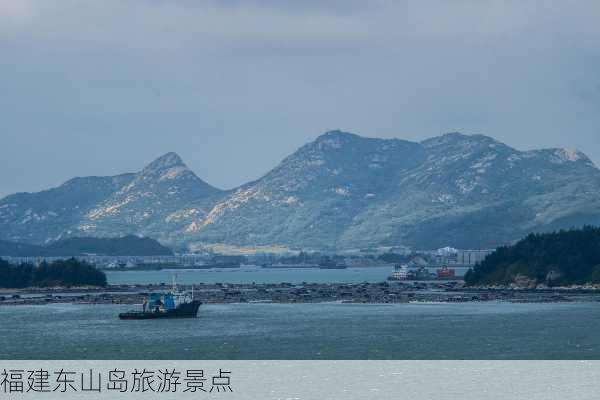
x,y
100,87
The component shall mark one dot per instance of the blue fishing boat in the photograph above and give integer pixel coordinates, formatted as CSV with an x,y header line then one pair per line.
x,y
174,304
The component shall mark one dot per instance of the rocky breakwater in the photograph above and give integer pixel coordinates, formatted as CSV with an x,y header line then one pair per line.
x,y
385,292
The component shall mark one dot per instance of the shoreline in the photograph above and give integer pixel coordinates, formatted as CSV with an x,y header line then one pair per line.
x,y
287,293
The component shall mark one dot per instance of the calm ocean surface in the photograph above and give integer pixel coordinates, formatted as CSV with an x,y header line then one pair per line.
x,y
256,274
252,274
307,331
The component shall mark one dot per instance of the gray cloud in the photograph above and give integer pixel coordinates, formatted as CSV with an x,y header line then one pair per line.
x,y
94,87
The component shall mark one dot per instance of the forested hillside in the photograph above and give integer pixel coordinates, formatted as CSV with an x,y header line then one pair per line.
x,y
559,258
58,273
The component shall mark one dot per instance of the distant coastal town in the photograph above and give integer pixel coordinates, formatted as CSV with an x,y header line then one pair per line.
x,y
446,257
559,266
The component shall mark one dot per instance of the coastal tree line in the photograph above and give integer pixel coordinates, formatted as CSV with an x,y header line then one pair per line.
x,y
69,272
566,257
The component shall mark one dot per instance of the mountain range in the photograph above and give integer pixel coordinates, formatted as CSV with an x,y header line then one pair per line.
x,y
77,246
341,191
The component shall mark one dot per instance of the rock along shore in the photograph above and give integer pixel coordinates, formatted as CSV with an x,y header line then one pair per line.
x,y
221,293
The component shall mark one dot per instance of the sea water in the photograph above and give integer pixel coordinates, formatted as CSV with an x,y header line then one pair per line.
x,y
307,331
249,274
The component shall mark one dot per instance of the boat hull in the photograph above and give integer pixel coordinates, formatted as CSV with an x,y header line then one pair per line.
x,y
187,310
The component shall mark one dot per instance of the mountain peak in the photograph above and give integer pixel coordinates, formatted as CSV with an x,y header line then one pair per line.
x,y
168,161
560,156
337,134
572,155
166,167
334,139
453,138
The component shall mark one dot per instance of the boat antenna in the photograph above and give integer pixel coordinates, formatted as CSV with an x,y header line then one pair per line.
x,y
192,291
